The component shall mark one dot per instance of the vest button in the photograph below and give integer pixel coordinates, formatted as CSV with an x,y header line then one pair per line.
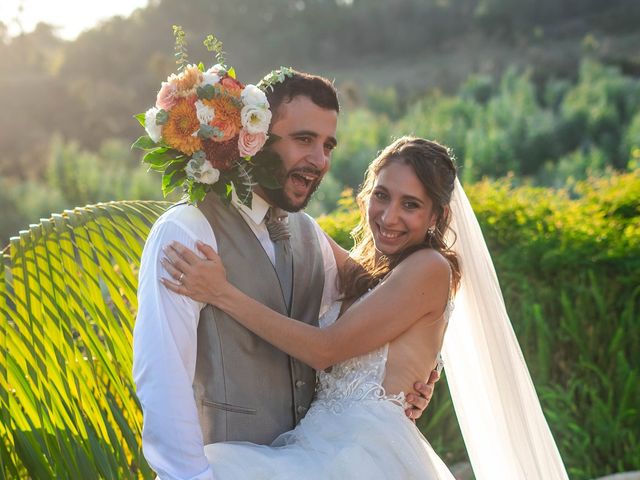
x,y
299,383
301,409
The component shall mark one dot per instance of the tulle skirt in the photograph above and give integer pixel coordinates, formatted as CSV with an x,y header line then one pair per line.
x,y
367,439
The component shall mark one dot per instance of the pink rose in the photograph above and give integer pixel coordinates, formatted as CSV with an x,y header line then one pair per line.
x,y
250,143
231,84
166,98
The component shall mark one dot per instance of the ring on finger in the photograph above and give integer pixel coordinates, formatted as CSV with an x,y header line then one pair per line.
x,y
181,277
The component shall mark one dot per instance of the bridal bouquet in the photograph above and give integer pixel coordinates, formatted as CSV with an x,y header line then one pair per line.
x,y
206,128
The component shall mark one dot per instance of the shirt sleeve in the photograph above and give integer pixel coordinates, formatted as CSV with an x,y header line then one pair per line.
x,y
164,345
330,291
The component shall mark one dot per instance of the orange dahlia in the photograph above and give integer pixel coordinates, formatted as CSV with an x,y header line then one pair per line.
x,y
180,126
187,80
227,116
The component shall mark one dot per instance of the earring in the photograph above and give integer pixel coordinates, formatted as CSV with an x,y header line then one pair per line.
x,y
430,232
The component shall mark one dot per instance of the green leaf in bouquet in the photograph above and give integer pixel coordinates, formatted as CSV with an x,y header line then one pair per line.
x,y
243,184
232,72
237,102
274,77
197,192
201,66
221,189
175,166
265,169
161,156
244,192
214,45
207,131
207,92
271,139
199,157
172,180
162,117
180,47
141,118
144,143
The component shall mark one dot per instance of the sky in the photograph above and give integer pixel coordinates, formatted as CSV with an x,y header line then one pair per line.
x,y
72,16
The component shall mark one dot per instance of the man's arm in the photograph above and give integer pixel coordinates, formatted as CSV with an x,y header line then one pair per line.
x,y
165,340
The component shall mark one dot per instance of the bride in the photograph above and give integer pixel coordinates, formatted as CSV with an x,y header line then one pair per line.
x,y
397,299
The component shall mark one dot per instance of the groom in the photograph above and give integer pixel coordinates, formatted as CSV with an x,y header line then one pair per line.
x,y
200,376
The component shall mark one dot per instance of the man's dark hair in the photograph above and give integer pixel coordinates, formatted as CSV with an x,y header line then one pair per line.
x,y
318,89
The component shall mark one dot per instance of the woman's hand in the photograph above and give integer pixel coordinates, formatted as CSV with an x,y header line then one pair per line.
x,y
202,279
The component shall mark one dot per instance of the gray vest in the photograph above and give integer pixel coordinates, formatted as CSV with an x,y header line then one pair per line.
x,y
246,389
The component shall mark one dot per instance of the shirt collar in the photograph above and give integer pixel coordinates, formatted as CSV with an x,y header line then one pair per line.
x,y
257,211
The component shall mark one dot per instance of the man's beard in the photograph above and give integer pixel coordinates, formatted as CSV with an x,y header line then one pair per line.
x,y
277,197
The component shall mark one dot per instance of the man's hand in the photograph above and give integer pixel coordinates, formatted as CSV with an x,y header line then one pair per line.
x,y
419,400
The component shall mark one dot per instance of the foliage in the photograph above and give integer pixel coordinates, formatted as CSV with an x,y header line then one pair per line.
x,y
553,136
68,297
339,224
75,177
407,48
569,266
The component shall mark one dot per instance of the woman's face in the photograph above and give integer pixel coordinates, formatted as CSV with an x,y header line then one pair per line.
x,y
400,211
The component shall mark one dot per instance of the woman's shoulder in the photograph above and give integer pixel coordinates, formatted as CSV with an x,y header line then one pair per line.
x,y
425,269
426,260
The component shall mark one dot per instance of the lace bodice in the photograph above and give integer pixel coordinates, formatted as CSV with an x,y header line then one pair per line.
x,y
356,379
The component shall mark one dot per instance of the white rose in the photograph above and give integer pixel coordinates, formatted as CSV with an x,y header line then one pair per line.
x,y
209,175
202,171
252,95
255,119
209,78
216,69
205,113
153,129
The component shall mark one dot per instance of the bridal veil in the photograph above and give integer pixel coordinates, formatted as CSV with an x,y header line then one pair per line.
x,y
504,429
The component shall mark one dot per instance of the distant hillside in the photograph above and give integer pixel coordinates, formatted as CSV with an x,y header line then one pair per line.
x,y
88,89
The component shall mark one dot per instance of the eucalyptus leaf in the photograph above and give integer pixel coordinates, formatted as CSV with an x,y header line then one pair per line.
x,y
208,132
162,117
207,92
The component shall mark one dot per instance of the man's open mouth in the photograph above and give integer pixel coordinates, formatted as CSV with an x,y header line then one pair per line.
x,y
302,179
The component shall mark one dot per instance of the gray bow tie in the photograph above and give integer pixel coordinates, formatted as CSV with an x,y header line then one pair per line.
x,y
277,224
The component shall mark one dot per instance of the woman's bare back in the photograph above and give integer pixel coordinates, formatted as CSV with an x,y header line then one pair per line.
x,y
413,355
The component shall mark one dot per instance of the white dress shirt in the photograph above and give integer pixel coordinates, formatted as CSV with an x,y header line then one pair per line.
x,y
164,340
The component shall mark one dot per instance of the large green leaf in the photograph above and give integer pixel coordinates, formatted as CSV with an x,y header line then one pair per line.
x,y
68,299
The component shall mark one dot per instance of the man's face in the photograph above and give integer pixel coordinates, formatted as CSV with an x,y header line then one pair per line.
x,y
307,137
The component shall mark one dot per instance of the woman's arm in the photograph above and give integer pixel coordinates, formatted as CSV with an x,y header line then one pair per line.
x,y
416,289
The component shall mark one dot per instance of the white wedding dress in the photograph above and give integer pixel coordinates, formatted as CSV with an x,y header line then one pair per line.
x,y
353,430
